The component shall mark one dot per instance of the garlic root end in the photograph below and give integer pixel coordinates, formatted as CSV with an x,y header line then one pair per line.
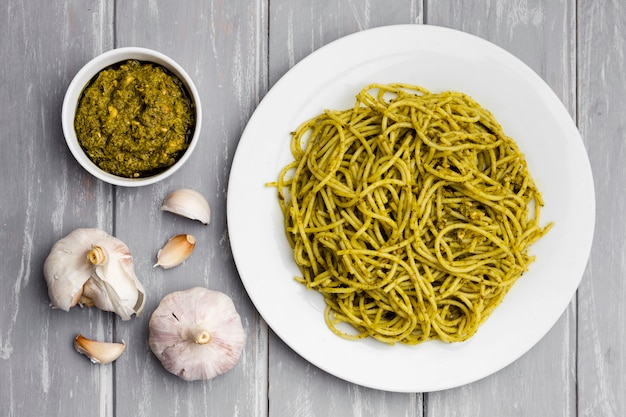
x,y
201,336
97,255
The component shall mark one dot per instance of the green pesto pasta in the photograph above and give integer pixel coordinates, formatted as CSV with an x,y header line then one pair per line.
x,y
411,213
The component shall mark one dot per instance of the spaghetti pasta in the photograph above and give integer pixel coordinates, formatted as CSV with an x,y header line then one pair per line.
x,y
412,213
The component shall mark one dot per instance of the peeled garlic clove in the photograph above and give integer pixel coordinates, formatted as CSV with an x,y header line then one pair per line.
x,y
188,203
176,251
197,333
90,267
99,352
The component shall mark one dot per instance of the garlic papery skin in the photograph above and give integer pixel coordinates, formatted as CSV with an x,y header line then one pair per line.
x,y
176,251
196,333
188,203
98,352
89,267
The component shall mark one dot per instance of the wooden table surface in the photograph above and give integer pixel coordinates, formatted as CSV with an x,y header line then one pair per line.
x,y
235,51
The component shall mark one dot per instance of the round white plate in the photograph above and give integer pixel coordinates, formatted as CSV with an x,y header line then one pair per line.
x,y
438,59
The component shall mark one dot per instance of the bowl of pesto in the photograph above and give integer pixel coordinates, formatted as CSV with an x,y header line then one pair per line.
x,y
131,116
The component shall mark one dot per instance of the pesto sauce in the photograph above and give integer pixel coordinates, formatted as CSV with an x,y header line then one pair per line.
x,y
134,119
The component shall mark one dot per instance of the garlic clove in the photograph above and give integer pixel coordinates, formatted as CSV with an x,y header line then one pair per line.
x,y
98,352
176,251
188,203
89,267
197,333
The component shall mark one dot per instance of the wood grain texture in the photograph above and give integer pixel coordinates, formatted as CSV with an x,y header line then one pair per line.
x,y
541,34
46,195
602,316
218,43
235,51
296,30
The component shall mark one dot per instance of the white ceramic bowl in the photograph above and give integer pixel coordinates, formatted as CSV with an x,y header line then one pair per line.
x,y
84,76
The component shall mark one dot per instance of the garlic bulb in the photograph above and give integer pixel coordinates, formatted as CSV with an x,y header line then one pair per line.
x,y
197,333
92,268
188,203
98,352
176,251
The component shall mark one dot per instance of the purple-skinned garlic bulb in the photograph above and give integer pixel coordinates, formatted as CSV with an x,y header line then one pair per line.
x,y
196,333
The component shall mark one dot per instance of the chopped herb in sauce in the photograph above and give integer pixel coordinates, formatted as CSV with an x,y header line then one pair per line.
x,y
134,119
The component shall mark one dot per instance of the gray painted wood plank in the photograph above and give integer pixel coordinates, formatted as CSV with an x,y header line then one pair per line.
x,y
222,47
46,195
540,33
298,388
602,316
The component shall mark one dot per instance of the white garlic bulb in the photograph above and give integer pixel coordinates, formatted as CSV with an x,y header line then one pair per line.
x,y
188,203
196,333
92,268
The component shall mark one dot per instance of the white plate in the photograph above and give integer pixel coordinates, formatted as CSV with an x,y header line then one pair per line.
x,y
438,59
